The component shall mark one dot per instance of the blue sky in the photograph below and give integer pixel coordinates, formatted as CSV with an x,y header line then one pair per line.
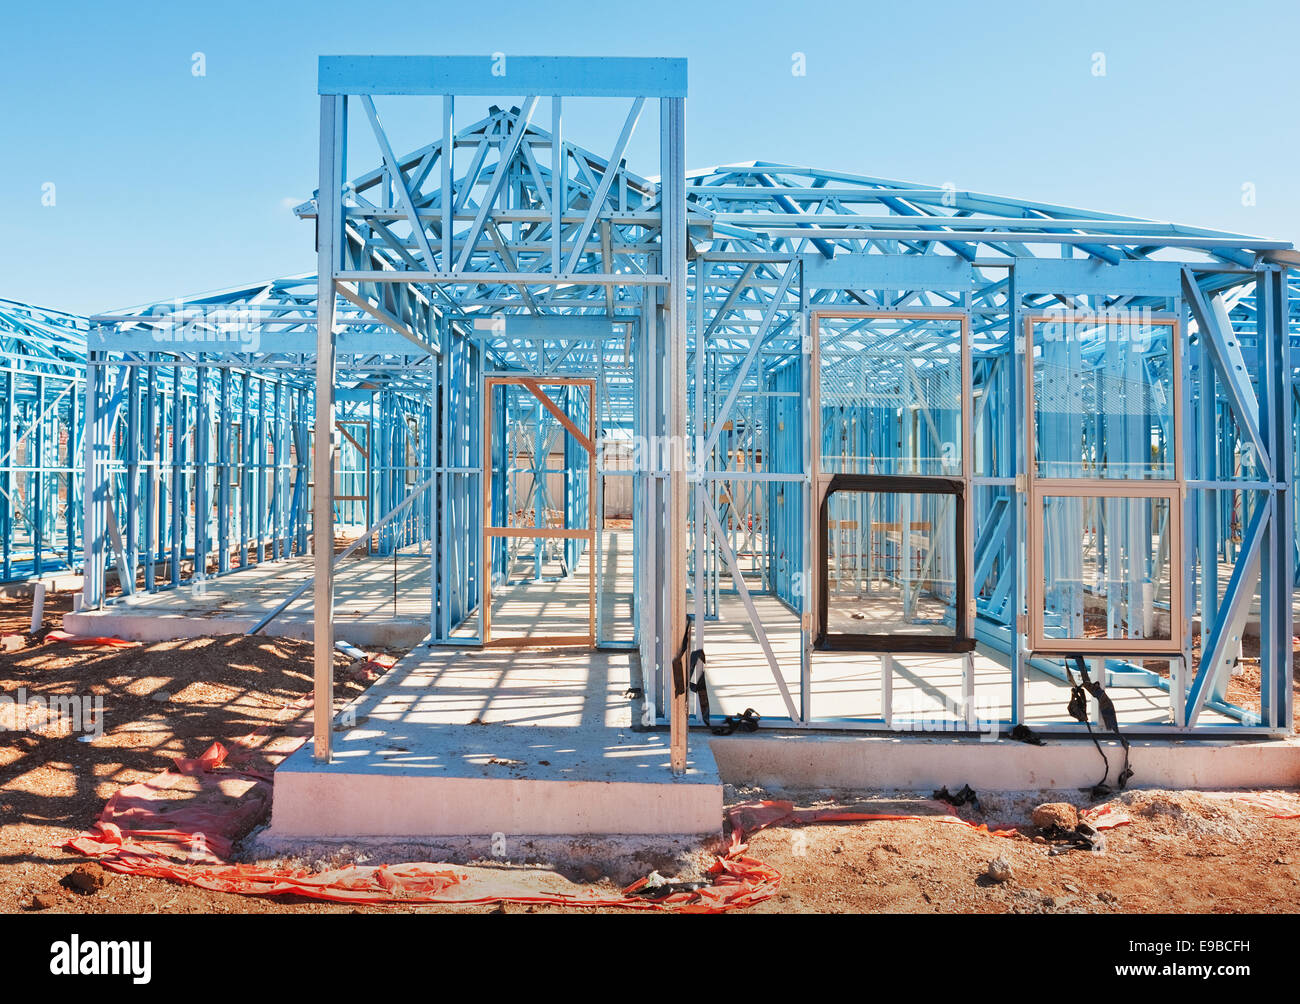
x,y
168,184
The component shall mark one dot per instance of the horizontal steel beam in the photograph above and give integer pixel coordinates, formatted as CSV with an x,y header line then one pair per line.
x,y
578,76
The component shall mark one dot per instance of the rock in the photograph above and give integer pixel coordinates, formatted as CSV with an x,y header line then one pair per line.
x,y
364,673
1056,816
44,901
1106,896
161,696
1000,870
87,879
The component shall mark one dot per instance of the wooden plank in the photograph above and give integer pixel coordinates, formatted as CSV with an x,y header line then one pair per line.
x,y
539,532
558,412
349,437
542,641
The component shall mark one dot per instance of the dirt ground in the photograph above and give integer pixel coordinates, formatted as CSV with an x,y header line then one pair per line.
x,y
1183,852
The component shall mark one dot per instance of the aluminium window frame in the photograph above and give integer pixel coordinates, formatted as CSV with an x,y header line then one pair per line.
x,y
1038,489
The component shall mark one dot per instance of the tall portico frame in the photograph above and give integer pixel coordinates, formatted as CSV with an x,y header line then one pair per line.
x,y
455,248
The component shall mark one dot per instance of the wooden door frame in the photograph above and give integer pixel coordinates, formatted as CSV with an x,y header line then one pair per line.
x,y
534,385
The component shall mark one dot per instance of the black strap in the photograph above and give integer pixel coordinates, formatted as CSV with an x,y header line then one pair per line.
x,y
698,684
679,663
1078,710
747,721
1024,734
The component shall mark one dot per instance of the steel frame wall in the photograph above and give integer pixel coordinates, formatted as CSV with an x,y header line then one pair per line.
x,y
989,257
42,388
203,406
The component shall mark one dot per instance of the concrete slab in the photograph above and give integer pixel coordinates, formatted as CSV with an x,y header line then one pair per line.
x,y
801,760
54,582
374,606
378,603
473,742
848,685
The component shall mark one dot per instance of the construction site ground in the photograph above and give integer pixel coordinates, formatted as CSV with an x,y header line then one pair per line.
x,y
1183,852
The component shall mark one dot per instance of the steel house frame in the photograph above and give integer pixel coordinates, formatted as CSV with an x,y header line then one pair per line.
x,y
182,425
503,250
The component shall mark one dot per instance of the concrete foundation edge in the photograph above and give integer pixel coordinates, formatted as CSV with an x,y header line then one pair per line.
x,y
310,804
801,761
151,628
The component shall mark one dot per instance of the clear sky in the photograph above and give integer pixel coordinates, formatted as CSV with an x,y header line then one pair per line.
x,y
167,183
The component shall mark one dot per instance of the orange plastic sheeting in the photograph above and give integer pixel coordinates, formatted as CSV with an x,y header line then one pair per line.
x,y
182,824
73,639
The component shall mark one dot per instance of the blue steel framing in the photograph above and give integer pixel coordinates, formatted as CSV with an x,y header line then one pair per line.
x,y
204,405
707,303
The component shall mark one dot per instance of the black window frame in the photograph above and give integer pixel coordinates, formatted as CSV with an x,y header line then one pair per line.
x,y
959,641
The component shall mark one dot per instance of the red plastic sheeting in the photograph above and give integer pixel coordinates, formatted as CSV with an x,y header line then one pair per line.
x,y
182,825
73,639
